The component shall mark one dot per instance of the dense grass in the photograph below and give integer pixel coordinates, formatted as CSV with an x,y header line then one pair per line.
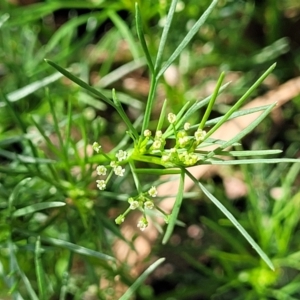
x,y
58,230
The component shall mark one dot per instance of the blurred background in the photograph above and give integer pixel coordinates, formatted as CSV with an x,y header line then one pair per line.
x,y
97,41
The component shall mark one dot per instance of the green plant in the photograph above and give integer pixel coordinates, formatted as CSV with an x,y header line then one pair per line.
x,y
63,178
187,150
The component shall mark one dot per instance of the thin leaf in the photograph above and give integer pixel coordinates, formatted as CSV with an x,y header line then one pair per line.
x,y
236,114
127,295
70,246
240,101
246,152
14,196
162,116
120,72
123,115
233,221
125,32
244,132
80,82
175,210
250,161
30,88
36,207
140,33
212,101
164,35
197,105
40,273
187,38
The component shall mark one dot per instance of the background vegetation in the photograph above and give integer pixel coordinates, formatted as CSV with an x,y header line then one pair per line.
x,y
54,251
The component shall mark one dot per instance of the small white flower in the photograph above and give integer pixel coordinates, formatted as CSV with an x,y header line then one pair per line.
x,y
156,144
101,184
113,164
142,224
153,191
158,134
101,170
186,126
119,171
200,135
147,133
171,118
121,155
183,141
149,204
96,147
134,204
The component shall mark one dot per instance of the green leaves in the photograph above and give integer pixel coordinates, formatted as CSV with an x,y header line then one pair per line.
x,y
233,220
36,207
130,292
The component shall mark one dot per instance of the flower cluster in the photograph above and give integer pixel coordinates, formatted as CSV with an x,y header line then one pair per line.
x,y
143,202
115,166
183,152
151,148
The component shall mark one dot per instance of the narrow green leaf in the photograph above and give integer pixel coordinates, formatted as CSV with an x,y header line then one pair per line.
x,y
250,161
123,115
80,82
236,114
164,35
162,116
175,210
120,72
246,152
240,101
15,268
25,159
233,220
212,101
31,88
64,30
69,246
129,293
158,171
14,196
197,105
3,19
187,38
244,132
125,32
140,33
40,273
249,128
36,207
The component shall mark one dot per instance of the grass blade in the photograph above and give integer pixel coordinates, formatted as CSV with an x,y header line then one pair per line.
x,y
40,273
126,33
233,221
187,38
30,88
212,101
140,33
175,211
251,161
80,82
240,101
140,280
164,35
36,207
